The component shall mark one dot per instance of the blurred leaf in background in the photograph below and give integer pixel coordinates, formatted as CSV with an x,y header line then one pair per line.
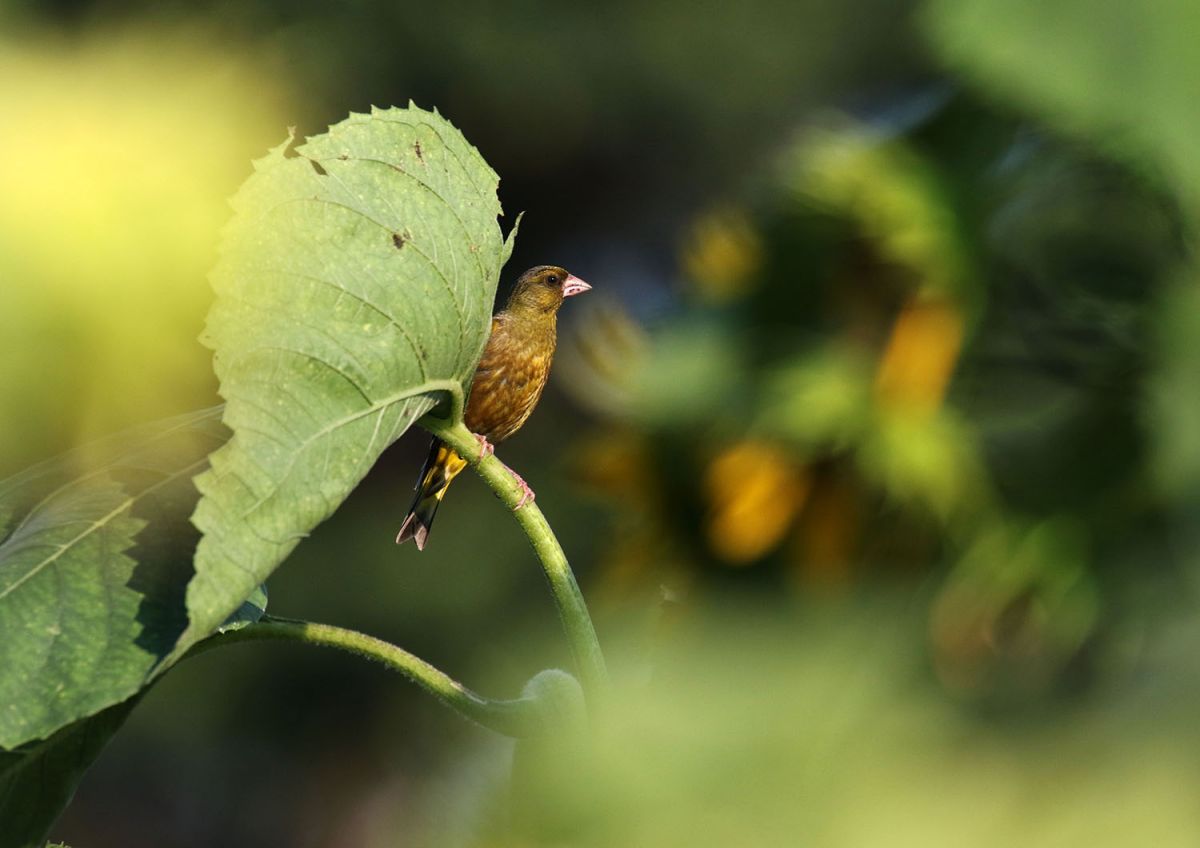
x,y
1115,74
816,725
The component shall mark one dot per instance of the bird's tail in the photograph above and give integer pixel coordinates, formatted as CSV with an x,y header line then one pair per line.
x,y
441,467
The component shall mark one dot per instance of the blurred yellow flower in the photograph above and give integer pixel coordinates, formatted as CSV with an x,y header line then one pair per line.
x,y
722,254
920,356
754,491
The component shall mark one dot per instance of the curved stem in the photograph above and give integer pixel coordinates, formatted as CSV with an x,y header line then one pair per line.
x,y
457,404
510,718
572,610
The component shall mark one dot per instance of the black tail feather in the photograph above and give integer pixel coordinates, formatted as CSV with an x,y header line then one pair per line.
x,y
441,467
420,519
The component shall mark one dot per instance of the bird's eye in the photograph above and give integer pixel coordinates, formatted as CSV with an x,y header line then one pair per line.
x,y
552,279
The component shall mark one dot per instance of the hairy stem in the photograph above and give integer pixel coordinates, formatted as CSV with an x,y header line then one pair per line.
x,y
510,718
572,610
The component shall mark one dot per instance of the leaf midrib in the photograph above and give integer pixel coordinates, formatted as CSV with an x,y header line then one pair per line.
x,y
427,387
99,523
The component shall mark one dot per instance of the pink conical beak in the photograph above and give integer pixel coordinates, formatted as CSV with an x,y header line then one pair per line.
x,y
573,285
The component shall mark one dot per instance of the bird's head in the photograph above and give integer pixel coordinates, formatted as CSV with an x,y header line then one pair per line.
x,y
543,288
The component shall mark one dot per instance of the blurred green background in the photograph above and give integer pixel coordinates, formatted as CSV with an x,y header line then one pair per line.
x,y
876,447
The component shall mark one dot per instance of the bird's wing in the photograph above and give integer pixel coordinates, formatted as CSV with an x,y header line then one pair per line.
x,y
495,345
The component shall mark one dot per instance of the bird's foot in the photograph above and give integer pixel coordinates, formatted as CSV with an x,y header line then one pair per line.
x,y
527,494
485,447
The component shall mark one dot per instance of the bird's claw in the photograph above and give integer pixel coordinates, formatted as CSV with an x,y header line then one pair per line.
x,y
485,447
527,495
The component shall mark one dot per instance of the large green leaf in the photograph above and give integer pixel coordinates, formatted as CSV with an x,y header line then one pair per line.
x,y
354,291
95,557
37,781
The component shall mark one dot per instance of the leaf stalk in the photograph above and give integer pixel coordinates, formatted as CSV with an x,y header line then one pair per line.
x,y
572,609
516,718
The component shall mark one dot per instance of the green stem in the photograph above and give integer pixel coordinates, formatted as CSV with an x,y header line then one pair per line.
x,y
572,610
510,718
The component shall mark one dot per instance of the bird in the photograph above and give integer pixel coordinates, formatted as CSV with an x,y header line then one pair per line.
x,y
507,385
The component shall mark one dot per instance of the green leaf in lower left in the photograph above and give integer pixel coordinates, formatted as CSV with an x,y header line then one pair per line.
x,y
38,780
95,554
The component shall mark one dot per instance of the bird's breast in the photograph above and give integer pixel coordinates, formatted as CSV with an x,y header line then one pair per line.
x,y
508,384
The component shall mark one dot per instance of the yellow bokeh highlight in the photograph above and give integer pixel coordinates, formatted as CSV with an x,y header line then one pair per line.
x,y
920,356
755,491
118,151
722,255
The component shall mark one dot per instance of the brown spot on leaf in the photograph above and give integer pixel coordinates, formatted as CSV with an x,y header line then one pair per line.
x,y
399,239
417,150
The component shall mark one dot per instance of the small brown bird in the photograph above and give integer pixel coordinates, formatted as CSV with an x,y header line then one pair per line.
x,y
508,383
